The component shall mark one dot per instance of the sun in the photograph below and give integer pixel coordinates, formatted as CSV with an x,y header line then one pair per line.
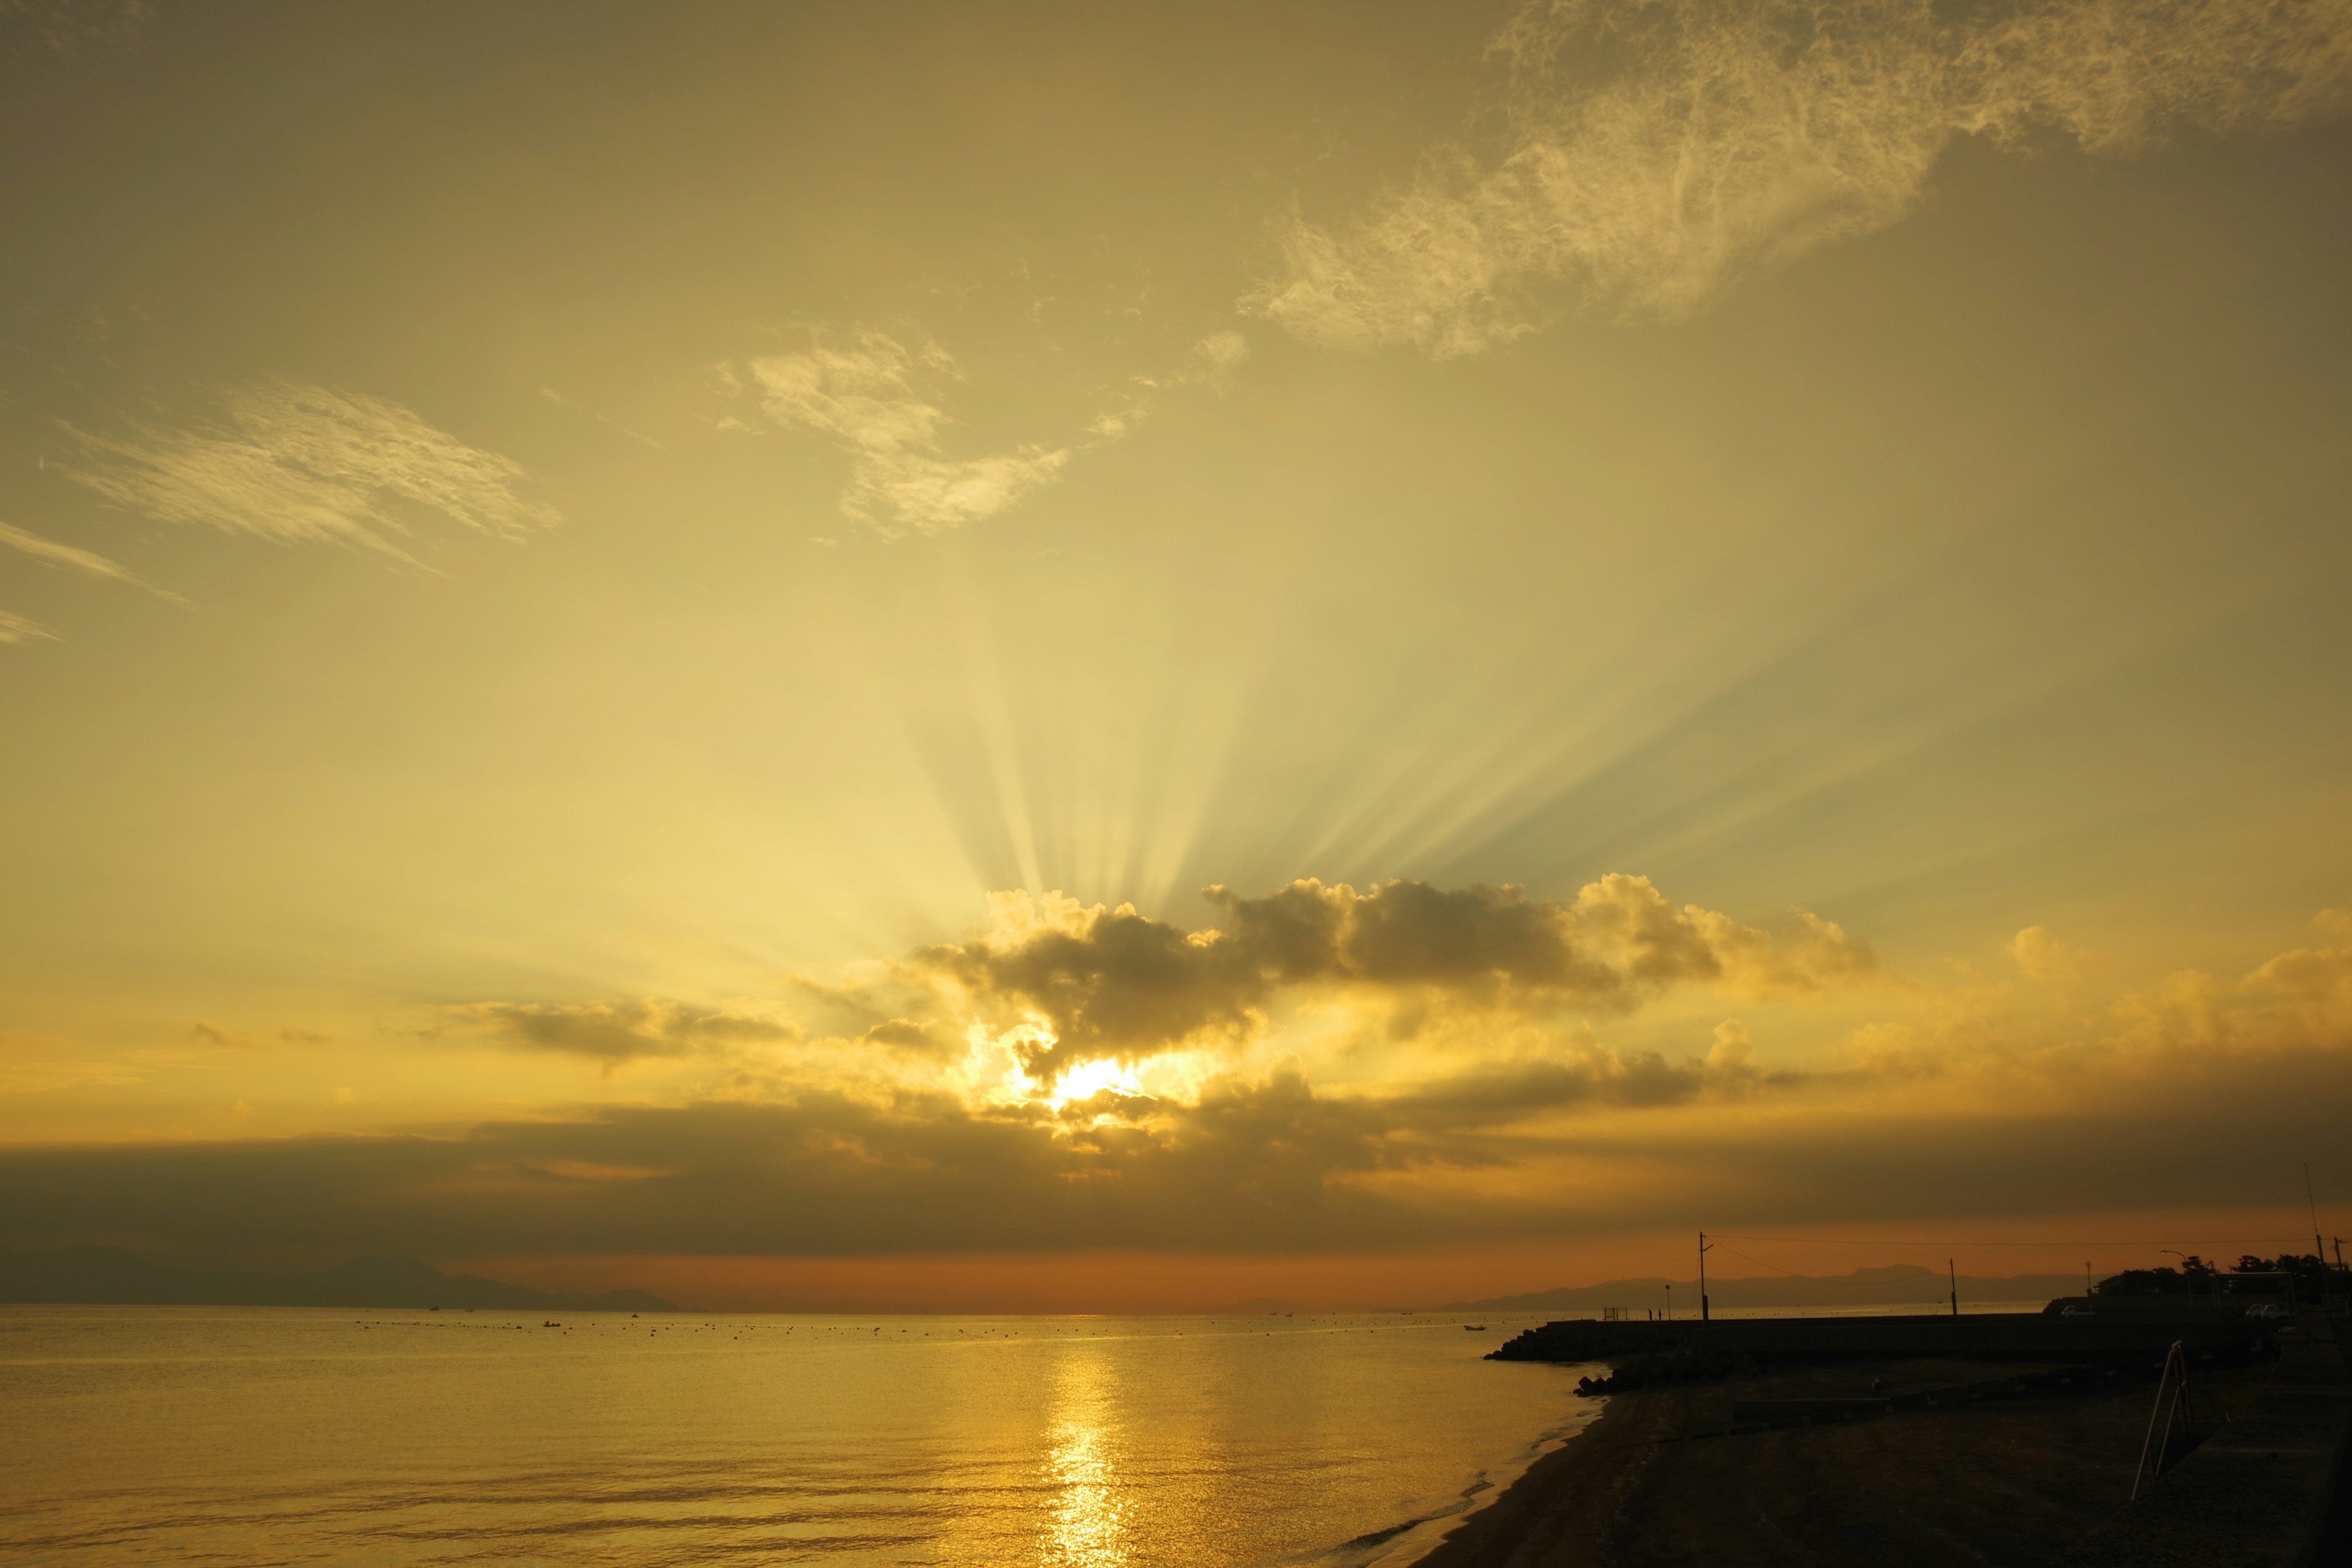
x,y
1088,1079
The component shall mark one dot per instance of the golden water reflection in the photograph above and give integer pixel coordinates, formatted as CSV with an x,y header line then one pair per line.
x,y
1089,1526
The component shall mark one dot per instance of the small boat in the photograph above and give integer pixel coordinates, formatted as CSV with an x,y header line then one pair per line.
x,y
1474,1327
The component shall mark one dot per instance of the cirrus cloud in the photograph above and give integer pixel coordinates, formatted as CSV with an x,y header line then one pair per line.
x,y
297,463
867,397
1658,150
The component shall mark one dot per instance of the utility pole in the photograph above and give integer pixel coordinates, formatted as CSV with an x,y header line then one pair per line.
x,y
2190,1279
2318,1248
2087,1277
1702,1250
1952,1272
1670,1302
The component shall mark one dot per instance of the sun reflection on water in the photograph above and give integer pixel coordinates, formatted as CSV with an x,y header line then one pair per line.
x,y
1088,1527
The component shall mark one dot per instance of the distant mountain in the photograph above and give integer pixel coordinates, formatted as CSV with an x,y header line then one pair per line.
x,y
107,1275
1898,1285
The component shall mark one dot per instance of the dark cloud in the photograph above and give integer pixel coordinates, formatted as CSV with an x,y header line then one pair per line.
x,y
921,1040
613,1033
2174,1133
825,1175
1267,1165
1110,983
1256,1165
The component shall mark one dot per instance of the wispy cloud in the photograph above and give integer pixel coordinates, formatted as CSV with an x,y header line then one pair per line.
x,y
56,554
1660,149
15,629
562,401
305,463
49,1077
868,396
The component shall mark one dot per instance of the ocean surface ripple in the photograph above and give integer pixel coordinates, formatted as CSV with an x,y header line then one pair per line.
x,y
262,1436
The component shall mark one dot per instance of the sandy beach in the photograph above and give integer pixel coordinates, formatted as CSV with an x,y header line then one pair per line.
x,y
1654,1480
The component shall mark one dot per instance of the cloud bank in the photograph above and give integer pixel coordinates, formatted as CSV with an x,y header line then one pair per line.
x,y
2183,1094
1659,148
305,463
1270,1165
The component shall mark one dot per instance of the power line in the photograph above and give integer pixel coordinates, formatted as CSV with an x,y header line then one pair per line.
x,y
1760,1263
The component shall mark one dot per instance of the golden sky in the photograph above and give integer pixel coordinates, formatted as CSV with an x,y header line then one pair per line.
x,y
964,654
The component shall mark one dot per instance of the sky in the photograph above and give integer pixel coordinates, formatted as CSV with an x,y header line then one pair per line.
x,y
1073,657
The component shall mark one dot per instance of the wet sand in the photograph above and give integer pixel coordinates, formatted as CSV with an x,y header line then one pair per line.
x,y
1654,1482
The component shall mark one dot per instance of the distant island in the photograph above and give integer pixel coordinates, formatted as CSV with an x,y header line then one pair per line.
x,y
108,1276
1898,1285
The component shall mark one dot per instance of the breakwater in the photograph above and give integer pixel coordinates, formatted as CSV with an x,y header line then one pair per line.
x,y
1985,1336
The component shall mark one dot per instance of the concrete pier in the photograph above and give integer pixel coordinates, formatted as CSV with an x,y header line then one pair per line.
x,y
1986,1336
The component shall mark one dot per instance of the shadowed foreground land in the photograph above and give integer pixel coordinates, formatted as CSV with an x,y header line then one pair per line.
x,y
2023,1481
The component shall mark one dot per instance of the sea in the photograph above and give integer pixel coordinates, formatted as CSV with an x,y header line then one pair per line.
x,y
266,1435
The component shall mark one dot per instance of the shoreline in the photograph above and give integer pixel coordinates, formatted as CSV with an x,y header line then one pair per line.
x,y
1590,1471
1414,1546
1659,1478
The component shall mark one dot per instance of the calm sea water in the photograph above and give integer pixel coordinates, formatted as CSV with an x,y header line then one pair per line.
x,y
261,1435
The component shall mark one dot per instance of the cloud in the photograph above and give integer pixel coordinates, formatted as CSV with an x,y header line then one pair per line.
x,y
1268,1163
1658,150
613,1033
1217,356
865,398
305,463
562,401
49,1077
1255,1164
1658,944
2040,957
1974,1042
2051,1112
1732,1056
2318,980
50,551
15,629
924,1039
1073,982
